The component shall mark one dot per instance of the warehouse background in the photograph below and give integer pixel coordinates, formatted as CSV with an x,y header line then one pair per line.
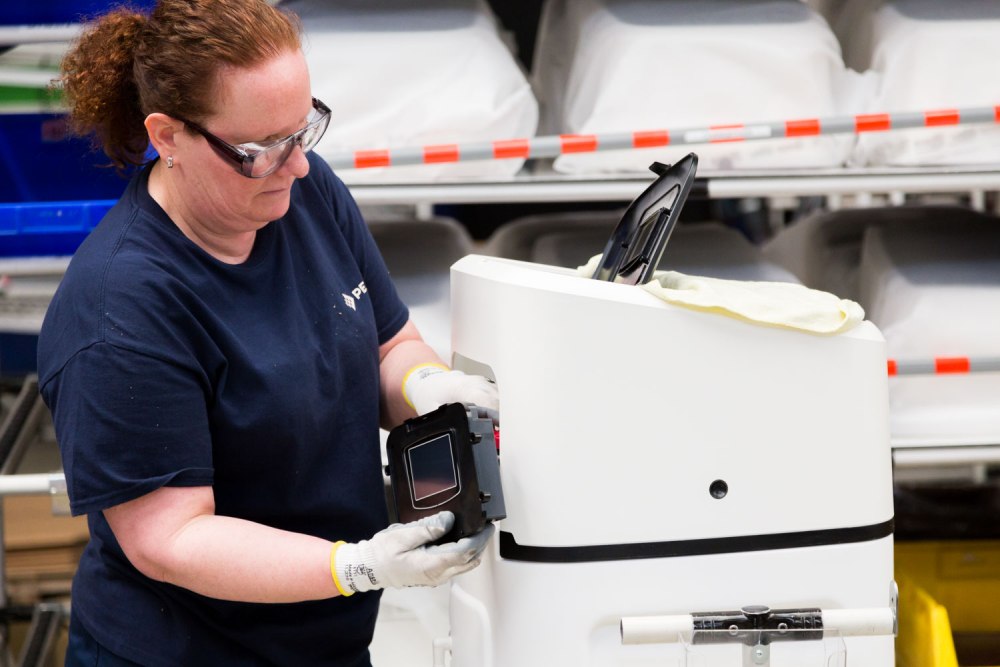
x,y
902,220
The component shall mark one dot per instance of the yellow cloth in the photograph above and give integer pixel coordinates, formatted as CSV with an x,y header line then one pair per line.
x,y
786,305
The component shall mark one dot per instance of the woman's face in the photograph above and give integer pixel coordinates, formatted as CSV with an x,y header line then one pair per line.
x,y
267,102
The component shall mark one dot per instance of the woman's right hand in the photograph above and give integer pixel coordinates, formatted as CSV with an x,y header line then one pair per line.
x,y
401,556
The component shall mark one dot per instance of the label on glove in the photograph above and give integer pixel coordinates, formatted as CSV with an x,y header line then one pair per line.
x,y
360,573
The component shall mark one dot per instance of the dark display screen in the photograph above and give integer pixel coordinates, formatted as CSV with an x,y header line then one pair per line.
x,y
432,467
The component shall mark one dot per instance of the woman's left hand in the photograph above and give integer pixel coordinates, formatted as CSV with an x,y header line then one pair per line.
x,y
430,387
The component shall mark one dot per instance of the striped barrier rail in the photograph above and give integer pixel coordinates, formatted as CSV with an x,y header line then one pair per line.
x,y
555,145
943,366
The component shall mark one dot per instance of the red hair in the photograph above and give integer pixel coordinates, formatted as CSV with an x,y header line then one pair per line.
x,y
127,65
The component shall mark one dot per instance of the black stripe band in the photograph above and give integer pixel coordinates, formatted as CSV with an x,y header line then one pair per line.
x,y
510,549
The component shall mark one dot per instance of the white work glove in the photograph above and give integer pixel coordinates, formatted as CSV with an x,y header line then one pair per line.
x,y
400,556
428,387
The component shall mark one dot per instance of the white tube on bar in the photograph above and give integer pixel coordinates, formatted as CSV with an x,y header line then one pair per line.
x,y
655,629
26,485
873,622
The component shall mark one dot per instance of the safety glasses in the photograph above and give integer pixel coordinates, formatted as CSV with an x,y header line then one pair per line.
x,y
257,160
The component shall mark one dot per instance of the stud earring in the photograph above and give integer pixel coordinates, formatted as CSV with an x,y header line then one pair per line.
x,y
170,162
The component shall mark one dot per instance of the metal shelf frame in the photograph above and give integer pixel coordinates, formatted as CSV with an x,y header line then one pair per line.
x,y
14,35
539,185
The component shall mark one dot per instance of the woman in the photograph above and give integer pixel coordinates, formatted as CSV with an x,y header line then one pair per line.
x,y
218,358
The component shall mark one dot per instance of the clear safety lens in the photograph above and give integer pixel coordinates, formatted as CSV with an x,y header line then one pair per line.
x,y
269,159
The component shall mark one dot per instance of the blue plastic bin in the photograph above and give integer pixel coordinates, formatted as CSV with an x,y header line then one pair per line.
x,y
34,229
15,12
41,161
48,228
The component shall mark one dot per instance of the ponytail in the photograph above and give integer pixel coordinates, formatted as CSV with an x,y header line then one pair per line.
x,y
100,89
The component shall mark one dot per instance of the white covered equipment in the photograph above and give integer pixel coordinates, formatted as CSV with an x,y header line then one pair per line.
x,y
934,290
926,55
399,74
929,277
604,66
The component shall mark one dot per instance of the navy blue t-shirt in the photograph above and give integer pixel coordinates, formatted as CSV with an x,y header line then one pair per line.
x,y
166,367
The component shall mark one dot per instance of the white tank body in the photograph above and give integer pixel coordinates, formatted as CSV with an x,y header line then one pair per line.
x,y
660,460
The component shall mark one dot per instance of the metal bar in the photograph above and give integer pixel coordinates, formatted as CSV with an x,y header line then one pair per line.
x,y
4,600
17,419
41,636
722,186
27,78
28,485
935,457
668,629
12,35
33,266
25,437
553,146
792,186
944,366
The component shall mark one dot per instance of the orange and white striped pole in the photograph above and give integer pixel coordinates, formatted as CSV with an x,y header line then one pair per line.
x,y
943,366
552,146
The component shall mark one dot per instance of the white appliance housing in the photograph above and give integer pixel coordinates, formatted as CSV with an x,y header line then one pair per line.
x,y
623,421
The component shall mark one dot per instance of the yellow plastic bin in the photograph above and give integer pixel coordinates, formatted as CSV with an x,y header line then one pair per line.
x,y
949,604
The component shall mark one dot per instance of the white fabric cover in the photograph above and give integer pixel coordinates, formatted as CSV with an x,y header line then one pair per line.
x,y
631,65
401,74
927,55
934,291
774,304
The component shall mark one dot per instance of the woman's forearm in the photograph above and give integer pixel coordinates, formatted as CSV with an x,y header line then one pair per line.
x,y
172,534
233,559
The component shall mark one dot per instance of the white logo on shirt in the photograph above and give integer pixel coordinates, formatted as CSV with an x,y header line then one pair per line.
x,y
356,293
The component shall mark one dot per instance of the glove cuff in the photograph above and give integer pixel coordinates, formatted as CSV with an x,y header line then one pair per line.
x,y
416,374
353,568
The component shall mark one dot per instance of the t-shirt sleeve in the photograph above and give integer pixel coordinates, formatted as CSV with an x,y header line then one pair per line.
x,y
127,424
390,311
